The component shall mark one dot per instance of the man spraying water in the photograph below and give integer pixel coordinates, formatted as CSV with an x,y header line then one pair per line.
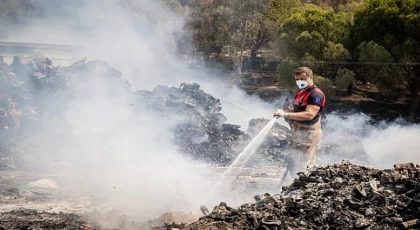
x,y
304,120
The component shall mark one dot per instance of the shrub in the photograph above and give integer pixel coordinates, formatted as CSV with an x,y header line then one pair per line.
x,y
344,78
325,85
285,70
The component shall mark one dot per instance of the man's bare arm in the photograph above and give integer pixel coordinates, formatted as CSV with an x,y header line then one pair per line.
x,y
307,115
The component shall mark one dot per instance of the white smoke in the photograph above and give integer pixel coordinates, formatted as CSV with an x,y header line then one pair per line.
x,y
358,138
127,159
393,144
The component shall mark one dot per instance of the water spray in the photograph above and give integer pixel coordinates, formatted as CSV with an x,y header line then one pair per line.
x,y
250,148
245,155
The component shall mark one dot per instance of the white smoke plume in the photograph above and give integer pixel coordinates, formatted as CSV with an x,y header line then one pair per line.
x,y
359,139
129,161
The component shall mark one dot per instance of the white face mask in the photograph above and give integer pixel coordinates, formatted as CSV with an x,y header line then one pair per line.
x,y
302,84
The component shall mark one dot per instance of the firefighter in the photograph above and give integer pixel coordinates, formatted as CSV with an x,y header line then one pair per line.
x,y
304,119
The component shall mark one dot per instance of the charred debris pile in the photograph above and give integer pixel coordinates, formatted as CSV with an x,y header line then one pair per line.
x,y
34,94
339,196
32,219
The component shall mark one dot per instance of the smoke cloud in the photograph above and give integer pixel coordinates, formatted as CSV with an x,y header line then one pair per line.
x,y
358,138
97,139
393,144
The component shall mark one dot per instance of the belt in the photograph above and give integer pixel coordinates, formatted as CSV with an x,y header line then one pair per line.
x,y
306,128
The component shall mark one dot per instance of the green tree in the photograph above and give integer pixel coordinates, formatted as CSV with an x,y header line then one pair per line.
x,y
232,27
377,65
336,5
335,52
279,10
394,25
260,35
312,31
313,37
208,25
246,27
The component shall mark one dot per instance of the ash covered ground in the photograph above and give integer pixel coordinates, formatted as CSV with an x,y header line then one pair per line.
x,y
61,170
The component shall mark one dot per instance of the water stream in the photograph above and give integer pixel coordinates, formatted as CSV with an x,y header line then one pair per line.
x,y
244,156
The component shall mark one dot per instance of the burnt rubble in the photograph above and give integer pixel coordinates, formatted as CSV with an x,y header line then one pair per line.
x,y
116,220
34,93
339,196
204,135
32,219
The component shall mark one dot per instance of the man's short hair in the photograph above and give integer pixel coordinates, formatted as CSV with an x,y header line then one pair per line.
x,y
305,70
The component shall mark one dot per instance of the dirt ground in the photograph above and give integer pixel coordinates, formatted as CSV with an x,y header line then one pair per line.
x,y
368,99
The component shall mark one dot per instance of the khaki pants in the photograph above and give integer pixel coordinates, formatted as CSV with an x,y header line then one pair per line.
x,y
305,140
